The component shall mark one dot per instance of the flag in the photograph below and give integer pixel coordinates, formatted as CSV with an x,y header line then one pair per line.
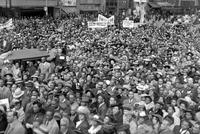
x,y
8,25
159,24
197,21
61,27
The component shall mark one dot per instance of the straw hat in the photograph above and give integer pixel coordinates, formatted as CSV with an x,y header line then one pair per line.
x,y
8,73
97,119
34,76
18,81
141,88
18,93
83,110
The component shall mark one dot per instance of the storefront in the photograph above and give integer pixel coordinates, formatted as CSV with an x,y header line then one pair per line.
x,y
90,6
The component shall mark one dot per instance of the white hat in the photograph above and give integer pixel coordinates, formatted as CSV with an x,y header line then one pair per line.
x,y
18,93
83,110
141,88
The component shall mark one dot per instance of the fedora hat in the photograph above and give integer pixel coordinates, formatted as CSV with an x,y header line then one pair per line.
x,y
18,93
184,101
85,99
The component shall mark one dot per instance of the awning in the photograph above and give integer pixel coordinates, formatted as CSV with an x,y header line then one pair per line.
x,y
160,4
154,5
26,54
165,4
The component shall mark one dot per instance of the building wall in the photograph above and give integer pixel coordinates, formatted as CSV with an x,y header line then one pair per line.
x,y
28,3
91,5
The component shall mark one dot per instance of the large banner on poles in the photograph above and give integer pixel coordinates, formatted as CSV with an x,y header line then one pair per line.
x,y
110,21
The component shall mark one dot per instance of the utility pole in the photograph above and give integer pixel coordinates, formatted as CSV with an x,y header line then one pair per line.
x,y
46,7
10,8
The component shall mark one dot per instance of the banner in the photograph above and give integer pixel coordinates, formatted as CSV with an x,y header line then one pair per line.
x,y
131,24
68,3
97,24
102,18
6,103
128,23
110,21
8,25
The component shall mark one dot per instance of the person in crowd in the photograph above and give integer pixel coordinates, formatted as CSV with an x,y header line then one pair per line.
x,y
3,119
135,79
64,127
14,125
183,128
17,107
102,106
96,125
82,125
4,91
156,120
50,123
166,123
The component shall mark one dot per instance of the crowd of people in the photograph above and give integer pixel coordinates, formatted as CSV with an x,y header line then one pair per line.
x,y
143,80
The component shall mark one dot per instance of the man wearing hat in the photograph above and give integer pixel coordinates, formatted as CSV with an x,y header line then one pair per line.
x,y
165,126
117,114
123,129
9,76
128,119
102,107
96,125
82,125
64,127
130,101
44,67
50,123
14,126
4,91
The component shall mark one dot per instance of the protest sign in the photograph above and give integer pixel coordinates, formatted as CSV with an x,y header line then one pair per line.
x,y
131,24
128,23
102,18
111,20
6,103
97,24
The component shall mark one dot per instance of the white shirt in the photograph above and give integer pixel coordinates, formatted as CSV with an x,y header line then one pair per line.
x,y
94,130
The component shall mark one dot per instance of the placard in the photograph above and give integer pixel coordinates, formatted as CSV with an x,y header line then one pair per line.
x,y
97,24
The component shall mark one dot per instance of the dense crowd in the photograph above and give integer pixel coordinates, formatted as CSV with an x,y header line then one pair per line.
x,y
143,80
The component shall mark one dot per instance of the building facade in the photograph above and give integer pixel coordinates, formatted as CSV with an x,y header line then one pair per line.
x,y
22,7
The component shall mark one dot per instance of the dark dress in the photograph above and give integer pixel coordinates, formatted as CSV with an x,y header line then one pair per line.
x,y
3,123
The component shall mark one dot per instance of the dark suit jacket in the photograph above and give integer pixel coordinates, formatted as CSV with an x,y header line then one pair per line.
x,y
83,127
102,110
